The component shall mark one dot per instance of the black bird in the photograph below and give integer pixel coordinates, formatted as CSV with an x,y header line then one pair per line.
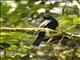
x,y
51,23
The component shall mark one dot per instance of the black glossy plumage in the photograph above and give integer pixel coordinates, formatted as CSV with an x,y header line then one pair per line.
x,y
51,23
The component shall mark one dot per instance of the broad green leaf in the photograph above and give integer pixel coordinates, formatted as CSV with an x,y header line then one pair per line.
x,y
14,17
69,17
4,9
76,20
65,25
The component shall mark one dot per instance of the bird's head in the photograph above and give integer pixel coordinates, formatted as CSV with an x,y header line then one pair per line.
x,y
46,17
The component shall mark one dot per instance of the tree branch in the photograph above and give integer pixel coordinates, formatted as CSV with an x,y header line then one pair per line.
x,y
32,30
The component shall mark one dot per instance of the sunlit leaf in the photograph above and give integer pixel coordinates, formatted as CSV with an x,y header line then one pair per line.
x,y
76,21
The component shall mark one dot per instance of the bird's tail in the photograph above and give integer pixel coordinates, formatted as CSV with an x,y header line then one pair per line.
x,y
39,38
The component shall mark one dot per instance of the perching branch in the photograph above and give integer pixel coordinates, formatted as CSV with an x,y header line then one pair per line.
x,y
24,30
32,30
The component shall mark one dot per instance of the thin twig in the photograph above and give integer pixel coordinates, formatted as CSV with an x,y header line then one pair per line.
x,y
70,27
61,40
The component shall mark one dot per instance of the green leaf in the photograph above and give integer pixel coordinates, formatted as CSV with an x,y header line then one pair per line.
x,y
32,1
4,9
69,17
26,57
36,7
66,24
76,20
13,17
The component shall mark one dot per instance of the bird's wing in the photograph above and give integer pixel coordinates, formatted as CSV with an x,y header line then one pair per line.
x,y
44,23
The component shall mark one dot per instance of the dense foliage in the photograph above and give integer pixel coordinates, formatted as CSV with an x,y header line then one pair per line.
x,y
28,14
